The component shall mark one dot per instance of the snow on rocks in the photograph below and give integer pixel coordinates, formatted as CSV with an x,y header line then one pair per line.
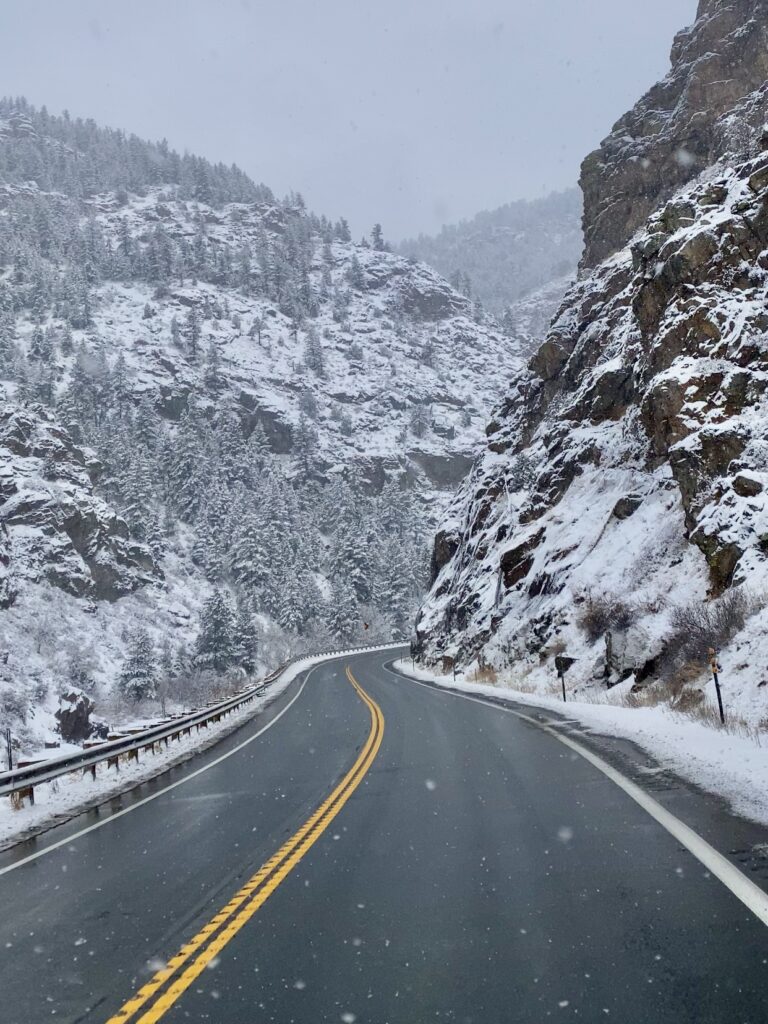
x,y
626,466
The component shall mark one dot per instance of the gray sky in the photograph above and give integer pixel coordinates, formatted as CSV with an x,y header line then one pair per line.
x,y
411,112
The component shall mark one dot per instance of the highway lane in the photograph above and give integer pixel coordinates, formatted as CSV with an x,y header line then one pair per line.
x,y
477,870
80,925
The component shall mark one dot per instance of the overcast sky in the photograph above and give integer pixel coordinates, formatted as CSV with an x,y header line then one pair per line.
x,y
411,112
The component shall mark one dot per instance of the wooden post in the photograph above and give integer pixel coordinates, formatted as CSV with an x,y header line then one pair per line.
x,y
18,798
715,669
562,664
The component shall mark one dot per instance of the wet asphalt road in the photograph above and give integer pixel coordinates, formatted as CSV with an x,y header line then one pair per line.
x,y
479,872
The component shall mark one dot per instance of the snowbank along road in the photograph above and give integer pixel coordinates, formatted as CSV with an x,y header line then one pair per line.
x,y
384,852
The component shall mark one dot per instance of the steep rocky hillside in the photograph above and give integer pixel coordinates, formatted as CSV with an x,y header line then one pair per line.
x,y
708,105
621,497
225,427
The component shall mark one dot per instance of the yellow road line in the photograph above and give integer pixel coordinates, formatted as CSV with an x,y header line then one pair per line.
x,y
258,888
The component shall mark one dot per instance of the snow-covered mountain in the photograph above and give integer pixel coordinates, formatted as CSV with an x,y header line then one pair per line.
x,y
223,423
512,259
621,499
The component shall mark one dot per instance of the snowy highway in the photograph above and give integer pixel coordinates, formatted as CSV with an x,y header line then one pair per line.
x,y
384,853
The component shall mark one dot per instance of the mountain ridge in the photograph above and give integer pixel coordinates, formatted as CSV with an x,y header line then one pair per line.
x,y
263,413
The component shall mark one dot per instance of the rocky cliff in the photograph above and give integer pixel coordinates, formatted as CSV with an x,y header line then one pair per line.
x,y
685,123
624,474
55,529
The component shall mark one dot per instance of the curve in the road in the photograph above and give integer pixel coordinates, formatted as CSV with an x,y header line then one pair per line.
x,y
212,938
751,895
154,796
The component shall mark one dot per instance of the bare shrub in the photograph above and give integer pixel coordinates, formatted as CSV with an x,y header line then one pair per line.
x,y
486,674
707,714
603,613
13,704
647,697
688,701
698,626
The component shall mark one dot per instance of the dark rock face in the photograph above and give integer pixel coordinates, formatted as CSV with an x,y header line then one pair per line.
x,y
642,428
627,506
74,717
704,107
442,470
52,525
7,588
626,471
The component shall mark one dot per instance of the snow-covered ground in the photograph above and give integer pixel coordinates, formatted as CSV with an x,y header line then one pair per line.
x,y
731,765
69,795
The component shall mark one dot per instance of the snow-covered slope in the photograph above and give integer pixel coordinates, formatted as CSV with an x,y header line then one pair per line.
x,y
503,256
622,489
394,338
207,390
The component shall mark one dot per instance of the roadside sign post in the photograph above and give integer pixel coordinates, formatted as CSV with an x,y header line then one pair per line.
x,y
715,668
562,664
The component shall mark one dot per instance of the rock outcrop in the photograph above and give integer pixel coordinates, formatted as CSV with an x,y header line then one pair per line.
x,y
709,104
52,526
73,716
625,471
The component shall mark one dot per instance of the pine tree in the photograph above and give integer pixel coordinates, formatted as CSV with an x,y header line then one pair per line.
x,y
305,442
214,647
257,328
147,426
186,469
250,561
166,675
193,333
138,676
291,596
120,386
394,591
245,640
313,353
341,230
377,238
258,448
344,620
355,274
211,374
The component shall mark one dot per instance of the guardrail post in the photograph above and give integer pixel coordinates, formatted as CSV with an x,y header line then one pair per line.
x,y
18,798
114,762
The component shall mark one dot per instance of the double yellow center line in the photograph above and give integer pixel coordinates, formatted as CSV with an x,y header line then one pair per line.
x,y
193,957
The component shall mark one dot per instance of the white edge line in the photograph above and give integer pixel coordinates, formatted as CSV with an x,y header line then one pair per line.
x,y
335,656
743,888
162,792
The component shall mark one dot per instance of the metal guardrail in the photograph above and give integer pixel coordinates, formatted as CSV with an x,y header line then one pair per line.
x,y
20,782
